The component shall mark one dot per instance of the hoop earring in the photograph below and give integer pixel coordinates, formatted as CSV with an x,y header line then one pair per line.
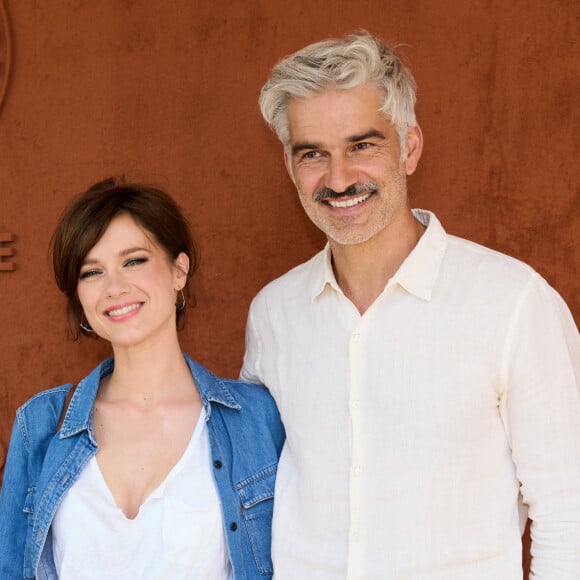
x,y
179,306
85,325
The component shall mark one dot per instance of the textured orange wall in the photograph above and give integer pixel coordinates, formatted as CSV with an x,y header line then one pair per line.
x,y
167,91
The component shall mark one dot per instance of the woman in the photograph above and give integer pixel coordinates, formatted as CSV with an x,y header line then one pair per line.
x,y
158,469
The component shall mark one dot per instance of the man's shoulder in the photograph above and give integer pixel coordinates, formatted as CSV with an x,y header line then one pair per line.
x,y
471,256
461,256
299,279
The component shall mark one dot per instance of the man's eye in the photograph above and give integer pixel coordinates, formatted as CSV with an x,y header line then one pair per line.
x,y
311,155
360,146
88,274
135,261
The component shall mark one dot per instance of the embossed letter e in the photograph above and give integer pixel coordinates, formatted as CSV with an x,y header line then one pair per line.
x,y
5,252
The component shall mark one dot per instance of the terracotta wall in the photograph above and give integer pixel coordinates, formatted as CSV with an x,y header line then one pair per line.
x,y
167,91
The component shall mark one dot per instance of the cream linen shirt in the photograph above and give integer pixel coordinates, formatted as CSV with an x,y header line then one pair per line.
x,y
421,434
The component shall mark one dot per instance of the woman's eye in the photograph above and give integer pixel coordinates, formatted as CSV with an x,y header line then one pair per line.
x,y
88,274
135,261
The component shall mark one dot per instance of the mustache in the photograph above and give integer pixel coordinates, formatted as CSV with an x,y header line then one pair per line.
x,y
354,189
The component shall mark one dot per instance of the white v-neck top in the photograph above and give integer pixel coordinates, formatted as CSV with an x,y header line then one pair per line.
x,y
177,534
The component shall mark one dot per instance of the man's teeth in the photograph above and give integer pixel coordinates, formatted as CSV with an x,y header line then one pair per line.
x,y
124,310
349,201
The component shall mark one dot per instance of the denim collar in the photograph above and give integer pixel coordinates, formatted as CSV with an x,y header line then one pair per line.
x,y
78,417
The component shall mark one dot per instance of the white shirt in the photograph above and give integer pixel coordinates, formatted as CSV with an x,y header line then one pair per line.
x,y
177,534
412,429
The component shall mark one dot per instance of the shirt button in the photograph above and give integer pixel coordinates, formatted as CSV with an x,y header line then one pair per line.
x,y
355,404
356,337
357,470
217,464
233,526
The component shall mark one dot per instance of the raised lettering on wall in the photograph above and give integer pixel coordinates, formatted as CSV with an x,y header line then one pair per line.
x,y
6,252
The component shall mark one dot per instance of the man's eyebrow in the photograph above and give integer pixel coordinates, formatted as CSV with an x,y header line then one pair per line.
x,y
366,135
306,145
303,146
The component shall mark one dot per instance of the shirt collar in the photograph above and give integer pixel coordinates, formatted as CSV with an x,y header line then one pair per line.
x,y
211,388
323,275
80,408
417,274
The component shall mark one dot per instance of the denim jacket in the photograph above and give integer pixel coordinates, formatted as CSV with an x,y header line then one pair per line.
x,y
245,435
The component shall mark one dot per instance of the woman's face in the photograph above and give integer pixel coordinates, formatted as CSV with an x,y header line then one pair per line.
x,y
127,285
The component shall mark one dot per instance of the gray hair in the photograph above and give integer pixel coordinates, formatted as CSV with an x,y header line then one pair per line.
x,y
340,63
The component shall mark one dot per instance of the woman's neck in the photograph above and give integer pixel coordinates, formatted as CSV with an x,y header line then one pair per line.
x,y
154,372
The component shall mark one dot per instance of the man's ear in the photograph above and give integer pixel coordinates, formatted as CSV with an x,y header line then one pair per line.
x,y
288,163
414,142
181,270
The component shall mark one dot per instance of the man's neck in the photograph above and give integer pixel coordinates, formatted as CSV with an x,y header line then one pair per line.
x,y
363,270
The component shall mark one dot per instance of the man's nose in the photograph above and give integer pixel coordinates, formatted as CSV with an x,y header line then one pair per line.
x,y
339,175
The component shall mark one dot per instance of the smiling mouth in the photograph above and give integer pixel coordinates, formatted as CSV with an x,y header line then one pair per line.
x,y
124,310
348,201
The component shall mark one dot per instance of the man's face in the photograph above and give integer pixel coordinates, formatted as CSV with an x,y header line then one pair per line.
x,y
345,160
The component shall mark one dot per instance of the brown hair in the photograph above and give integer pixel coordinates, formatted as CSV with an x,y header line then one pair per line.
x,y
86,218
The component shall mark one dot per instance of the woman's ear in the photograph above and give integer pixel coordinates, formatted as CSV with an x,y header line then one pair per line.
x,y
181,264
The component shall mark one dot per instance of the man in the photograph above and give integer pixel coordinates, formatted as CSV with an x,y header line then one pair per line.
x,y
428,385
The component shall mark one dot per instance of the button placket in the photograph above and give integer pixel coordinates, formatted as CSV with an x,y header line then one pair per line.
x,y
356,359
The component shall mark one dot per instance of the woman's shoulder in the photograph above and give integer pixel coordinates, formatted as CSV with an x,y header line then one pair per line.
x,y
252,392
256,417
45,398
48,403
44,405
253,399
233,391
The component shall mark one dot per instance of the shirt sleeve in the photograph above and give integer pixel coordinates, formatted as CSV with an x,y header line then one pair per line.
x,y
541,373
13,498
250,369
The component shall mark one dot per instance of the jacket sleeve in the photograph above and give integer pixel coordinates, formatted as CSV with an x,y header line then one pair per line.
x,y
542,367
13,519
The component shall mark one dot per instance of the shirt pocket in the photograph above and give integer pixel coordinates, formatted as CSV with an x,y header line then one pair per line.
x,y
257,501
193,536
